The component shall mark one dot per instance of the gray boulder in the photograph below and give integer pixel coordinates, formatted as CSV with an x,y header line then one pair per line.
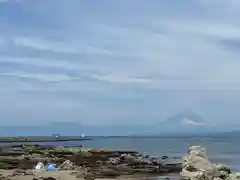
x,y
233,176
221,167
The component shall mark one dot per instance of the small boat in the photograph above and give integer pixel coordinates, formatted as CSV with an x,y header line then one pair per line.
x,y
56,135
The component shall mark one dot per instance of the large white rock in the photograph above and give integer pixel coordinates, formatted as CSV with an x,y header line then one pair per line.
x,y
186,175
194,148
197,151
197,163
217,178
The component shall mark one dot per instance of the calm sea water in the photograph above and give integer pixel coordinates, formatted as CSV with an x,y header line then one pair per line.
x,y
220,150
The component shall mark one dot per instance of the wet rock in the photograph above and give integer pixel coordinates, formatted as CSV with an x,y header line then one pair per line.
x,y
221,167
164,157
89,177
217,178
106,173
49,178
20,172
133,160
66,165
233,176
172,168
44,178
115,163
221,174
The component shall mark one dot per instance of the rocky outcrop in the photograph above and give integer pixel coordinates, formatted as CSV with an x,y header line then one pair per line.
x,y
196,166
87,163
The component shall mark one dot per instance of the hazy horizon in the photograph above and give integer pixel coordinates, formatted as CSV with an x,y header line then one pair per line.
x,y
119,62
181,124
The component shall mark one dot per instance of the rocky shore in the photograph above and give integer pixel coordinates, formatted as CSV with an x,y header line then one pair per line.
x,y
18,162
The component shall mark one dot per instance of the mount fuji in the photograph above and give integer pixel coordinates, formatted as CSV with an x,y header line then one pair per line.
x,y
183,123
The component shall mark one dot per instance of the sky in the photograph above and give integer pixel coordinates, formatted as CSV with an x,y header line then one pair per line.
x,y
118,62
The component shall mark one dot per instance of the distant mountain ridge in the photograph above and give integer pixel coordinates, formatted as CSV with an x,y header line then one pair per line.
x,y
180,117
183,123
186,122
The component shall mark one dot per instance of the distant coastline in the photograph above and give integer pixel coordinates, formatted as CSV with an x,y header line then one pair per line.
x,y
40,139
77,138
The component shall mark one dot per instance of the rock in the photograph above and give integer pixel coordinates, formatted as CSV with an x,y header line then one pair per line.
x,y
66,165
135,160
217,178
79,172
233,176
196,165
221,174
44,178
20,172
195,148
172,168
222,171
221,167
167,178
114,161
88,176
49,178
164,157
197,175
3,177
106,172
146,156
197,151
79,175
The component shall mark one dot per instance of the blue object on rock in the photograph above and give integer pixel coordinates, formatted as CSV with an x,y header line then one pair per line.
x,y
52,167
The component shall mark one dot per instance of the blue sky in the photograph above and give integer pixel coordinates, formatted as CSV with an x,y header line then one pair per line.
x,y
121,61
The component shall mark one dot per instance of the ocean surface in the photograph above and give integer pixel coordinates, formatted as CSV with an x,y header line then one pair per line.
x,y
220,150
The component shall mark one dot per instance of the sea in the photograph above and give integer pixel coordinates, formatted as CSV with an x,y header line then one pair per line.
x,y
220,150
224,150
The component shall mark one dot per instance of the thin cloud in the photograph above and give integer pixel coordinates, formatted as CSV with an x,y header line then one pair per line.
x,y
41,77
58,47
190,122
118,78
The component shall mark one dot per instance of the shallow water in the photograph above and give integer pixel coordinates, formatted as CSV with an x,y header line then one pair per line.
x,y
220,150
